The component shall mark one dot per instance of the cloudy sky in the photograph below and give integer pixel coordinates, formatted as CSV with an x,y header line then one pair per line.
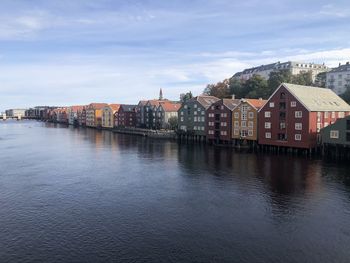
x,y
64,52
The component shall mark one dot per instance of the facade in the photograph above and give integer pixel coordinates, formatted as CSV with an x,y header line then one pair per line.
x,y
62,115
126,116
219,121
294,115
150,113
245,119
165,112
94,114
108,117
339,78
82,116
140,114
337,133
192,115
293,66
72,113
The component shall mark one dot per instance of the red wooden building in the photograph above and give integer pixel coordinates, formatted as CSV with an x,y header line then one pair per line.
x,y
219,121
294,115
126,116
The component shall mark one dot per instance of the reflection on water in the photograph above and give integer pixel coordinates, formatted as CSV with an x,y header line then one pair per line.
x,y
84,195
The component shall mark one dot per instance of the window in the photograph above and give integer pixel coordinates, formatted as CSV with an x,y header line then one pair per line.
x,y
195,119
244,116
182,113
236,132
267,114
202,128
211,123
195,106
195,113
244,133
251,115
212,107
341,114
223,133
222,107
297,137
334,134
298,114
236,115
272,104
202,119
244,108
250,124
236,124
244,124
210,132
299,126
199,109
293,104
282,115
211,115
203,112
268,135
282,105
223,124
267,125
195,128
326,114
182,119
250,133
282,125
282,137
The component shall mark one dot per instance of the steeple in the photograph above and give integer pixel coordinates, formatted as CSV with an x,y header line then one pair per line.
x,y
160,94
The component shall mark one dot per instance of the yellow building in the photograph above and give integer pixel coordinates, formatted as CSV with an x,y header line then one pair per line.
x,y
108,115
245,119
94,114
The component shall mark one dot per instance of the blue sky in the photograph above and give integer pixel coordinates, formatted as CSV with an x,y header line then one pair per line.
x,y
68,52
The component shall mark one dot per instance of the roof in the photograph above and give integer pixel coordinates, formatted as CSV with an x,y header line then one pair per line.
x,y
97,106
114,107
156,102
317,99
341,68
76,108
256,103
230,103
205,100
129,107
170,106
142,102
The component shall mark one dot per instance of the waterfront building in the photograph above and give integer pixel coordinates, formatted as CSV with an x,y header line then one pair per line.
x,y
140,114
94,114
165,112
126,116
337,133
245,120
338,79
72,113
62,116
82,116
192,116
219,121
294,115
108,115
292,66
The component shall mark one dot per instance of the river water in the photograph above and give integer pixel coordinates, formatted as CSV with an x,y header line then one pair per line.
x,y
81,195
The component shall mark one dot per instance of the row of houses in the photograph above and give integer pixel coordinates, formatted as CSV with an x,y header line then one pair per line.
x,y
295,116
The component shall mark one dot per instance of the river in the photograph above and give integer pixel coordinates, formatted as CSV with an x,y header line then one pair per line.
x,y
81,195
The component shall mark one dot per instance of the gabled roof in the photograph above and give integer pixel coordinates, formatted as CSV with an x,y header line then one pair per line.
x,y
230,103
256,103
317,99
170,106
127,108
206,101
97,106
142,102
114,107
76,108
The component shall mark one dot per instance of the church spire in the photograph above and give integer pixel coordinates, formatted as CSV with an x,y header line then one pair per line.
x,y
160,94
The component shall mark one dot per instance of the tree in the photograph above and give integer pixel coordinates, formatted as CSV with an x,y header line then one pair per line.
x,y
186,96
320,80
256,87
173,122
236,88
278,77
220,90
303,78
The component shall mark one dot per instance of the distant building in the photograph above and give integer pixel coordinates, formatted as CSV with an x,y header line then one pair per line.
x,y
126,116
219,121
108,115
15,113
245,119
81,114
292,66
140,114
94,114
192,115
338,78
72,113
294,115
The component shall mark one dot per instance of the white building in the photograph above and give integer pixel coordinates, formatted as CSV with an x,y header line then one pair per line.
x,y
293,66
15,113
338,78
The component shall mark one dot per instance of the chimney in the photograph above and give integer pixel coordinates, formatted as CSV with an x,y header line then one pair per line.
x,y
339,64
260,98
233,96
160,94
347,63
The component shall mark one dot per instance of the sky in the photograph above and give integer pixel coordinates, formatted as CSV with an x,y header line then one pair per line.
x,y
65,52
